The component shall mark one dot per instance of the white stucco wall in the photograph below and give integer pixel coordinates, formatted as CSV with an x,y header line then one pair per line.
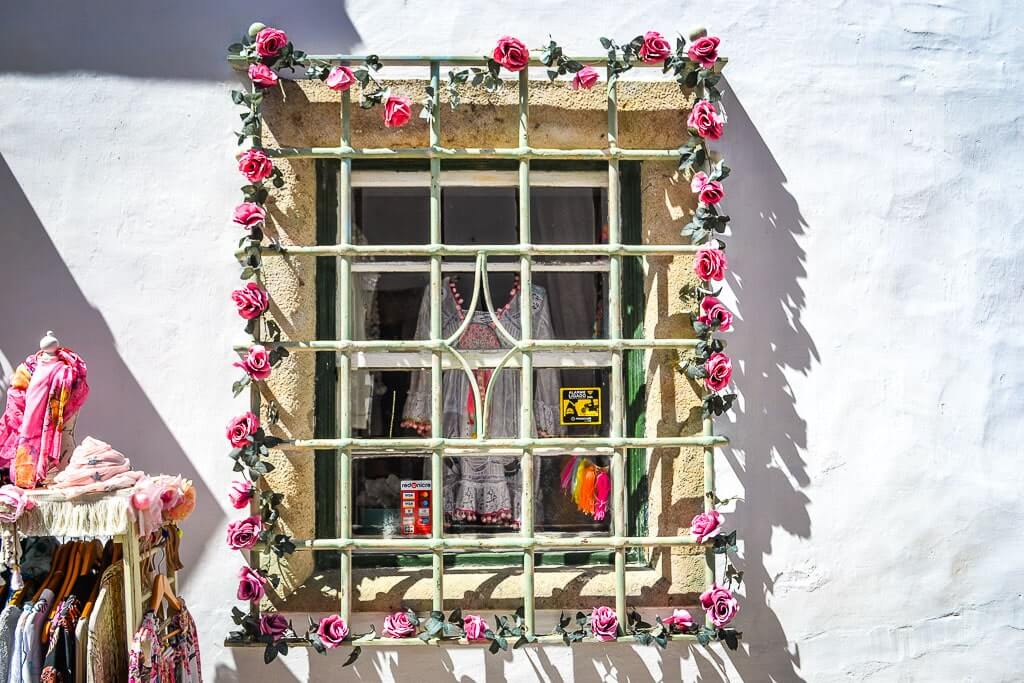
x,y
877,268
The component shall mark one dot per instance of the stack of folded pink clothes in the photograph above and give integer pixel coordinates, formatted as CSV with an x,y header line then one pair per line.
x,y
95,467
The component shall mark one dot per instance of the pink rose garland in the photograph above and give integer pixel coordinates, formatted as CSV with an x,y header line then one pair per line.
x,y
720,604
706,121
714,311
332,631
251,300
273,624
511,53
249,214
340,78
240,493
251,585
710,264
719,371
704,51
585,78
262,75
270,42
398,625
244,534
655,48
708,191
256,363
242,426
604,623
706,525
474,626
680,622
397,111
255,165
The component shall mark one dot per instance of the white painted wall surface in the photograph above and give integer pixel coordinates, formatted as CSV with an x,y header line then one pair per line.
x,y
878,270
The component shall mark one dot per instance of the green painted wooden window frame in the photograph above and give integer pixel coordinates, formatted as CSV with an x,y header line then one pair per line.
x,y
325,411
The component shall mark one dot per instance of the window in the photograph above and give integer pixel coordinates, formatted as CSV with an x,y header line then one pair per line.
x,y
389,390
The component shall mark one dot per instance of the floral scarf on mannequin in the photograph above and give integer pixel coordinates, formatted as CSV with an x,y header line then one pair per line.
x,y
37,411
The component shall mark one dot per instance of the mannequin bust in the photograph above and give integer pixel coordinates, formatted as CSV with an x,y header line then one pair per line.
x,y
48,347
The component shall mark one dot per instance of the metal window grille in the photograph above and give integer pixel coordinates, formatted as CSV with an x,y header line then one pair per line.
x,y
443,355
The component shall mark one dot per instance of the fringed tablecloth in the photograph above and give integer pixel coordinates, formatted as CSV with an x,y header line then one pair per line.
x,y
101,514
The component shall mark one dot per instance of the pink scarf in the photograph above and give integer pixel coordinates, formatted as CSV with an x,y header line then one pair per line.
x,y
56,392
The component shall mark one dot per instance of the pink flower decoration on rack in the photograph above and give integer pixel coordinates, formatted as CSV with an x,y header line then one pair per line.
x,y
706,525
474,626
710,264
397,111
704,51
255,165
251,300
270,42
585,78
705,119
251,585
720,604
398,625
240,493
13,502
244,534
256,363
604,623
655,48
273,624
719,369
262,75
249,214
680,622
340,78
332,631
511,53
714,311
708,191
241,427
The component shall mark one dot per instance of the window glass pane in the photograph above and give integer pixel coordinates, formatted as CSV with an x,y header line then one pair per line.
x,y
578,506
392,497
569,215
391,215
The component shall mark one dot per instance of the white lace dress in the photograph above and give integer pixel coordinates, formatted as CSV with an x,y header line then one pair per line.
x,y
484,488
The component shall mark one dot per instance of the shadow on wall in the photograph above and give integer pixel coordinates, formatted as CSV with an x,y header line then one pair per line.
x,y
769,436
185,39
38,292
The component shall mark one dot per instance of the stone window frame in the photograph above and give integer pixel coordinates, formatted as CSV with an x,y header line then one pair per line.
x,y
652,116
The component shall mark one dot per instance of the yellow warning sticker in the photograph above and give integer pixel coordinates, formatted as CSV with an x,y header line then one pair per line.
x,y
580,405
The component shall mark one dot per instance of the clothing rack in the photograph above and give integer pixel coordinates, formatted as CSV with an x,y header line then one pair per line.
x,y
106,515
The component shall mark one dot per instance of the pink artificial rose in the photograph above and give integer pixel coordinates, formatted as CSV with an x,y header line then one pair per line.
x,y
332,631
706,525
273,624
240,493
680,621
714,311
340,78
706,120
249,214
710,264
251,585
13,502
255,165
262,75
511,53
398,625
655,48
604,623
719,369
397,111
244,534
251,300
704,51
242,426
720,604
474,626
585,78
270,41
708,191
256,363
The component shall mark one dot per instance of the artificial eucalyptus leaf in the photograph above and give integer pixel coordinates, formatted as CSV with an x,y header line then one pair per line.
x,y
353,656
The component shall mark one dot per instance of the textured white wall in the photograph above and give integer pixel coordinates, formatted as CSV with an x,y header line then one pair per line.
x,y
876,200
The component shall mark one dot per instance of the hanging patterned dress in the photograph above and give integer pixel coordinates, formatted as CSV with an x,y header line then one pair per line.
x,y
484,488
